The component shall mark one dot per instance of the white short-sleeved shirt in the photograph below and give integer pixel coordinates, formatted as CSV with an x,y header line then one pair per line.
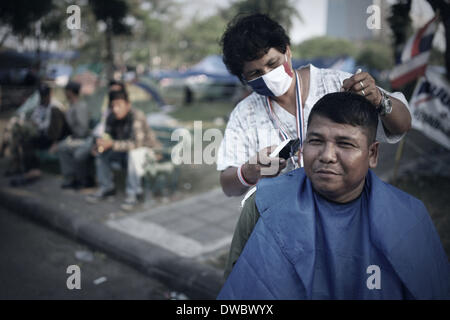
x,y
250,128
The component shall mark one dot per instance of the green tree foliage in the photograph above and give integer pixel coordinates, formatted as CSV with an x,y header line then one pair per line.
x,y
40,20
400,23
324,47
154,31
112,13
21,15
372,54
25,19
201,38
376,55
282,11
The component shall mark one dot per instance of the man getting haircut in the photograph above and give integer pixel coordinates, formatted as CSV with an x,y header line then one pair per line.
x,y
333,229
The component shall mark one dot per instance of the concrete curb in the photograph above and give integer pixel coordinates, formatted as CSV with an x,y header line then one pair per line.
x,y
196,280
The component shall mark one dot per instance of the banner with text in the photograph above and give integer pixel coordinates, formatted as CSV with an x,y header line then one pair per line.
x,y
430,106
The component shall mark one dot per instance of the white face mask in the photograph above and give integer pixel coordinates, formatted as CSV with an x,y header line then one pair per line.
x,y
274,83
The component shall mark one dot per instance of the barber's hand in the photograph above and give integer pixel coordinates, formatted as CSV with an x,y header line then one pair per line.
x,y
53,148
362,83
261,165
104,144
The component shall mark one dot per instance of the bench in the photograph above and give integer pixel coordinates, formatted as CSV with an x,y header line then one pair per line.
x,y
162,176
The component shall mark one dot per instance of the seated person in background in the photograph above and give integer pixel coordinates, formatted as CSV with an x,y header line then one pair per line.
x,y
99,129
84,150
45,127
333,229
127,140
70,150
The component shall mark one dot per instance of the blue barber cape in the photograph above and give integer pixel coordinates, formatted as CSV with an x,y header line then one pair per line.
x,y
301,249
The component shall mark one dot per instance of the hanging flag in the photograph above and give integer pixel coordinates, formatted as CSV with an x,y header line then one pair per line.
x,y
430,106
415,55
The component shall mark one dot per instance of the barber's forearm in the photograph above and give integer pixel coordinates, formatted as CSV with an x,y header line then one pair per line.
x,y
399,120
230,183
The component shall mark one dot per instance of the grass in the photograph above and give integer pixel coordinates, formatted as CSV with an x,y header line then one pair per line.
x,y
203,111
197,178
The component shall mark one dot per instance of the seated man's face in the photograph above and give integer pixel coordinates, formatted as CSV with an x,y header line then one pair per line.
x,y
337,158
120,108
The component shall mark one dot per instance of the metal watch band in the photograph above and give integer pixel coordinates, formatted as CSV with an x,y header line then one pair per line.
x,y
385,105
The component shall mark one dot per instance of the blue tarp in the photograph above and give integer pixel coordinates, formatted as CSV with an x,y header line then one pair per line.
x,y
152,91
211,66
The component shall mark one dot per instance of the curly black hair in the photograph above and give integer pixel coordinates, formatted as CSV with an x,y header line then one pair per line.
x,y
250,37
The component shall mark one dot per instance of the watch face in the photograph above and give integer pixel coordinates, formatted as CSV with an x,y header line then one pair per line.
x,y
388,102
387,105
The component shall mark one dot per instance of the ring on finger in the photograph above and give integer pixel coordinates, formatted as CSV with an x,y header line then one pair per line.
x,y
363,92
362,84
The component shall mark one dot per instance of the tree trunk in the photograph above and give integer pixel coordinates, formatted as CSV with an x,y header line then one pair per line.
x,y
109,51
444,12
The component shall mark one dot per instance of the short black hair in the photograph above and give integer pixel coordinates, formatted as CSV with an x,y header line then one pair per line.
x,y
118,94
74,87
116,83
44,90
250,37
348,108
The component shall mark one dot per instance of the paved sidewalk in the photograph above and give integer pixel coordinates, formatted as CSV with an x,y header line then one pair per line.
x,y
173,241
169,241
190,228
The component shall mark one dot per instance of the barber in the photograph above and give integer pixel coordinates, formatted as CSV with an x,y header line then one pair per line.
x,y
257,50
